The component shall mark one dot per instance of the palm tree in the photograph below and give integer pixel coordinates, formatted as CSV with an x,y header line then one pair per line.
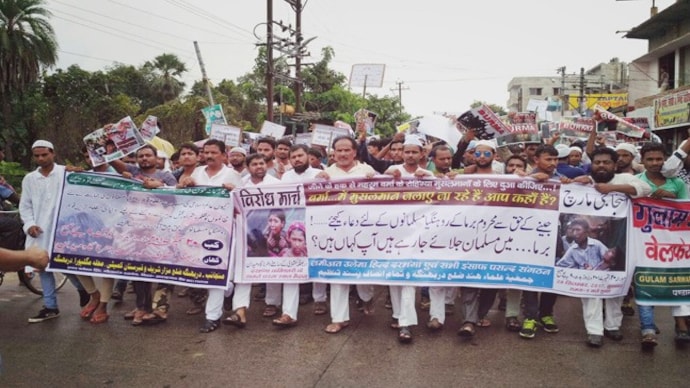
x,y
27,44
166,67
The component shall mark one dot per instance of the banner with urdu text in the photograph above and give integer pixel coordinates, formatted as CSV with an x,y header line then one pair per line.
x,y
481,230
110,226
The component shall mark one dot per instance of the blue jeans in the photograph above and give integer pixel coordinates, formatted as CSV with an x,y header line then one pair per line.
x,y
647,319
48,285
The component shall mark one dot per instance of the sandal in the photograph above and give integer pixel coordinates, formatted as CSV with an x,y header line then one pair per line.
x,y
368,307
138,317
394,324
513,324
336,327
285,321
405,335
235,319
195,310
270,311
99,318
320,308
153,318
484,322
467,330
87,311
209,326
130,315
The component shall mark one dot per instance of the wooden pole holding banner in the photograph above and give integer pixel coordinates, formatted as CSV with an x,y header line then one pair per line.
x,y
204,78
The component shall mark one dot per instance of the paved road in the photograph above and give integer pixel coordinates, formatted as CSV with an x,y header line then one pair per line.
x,y
70,352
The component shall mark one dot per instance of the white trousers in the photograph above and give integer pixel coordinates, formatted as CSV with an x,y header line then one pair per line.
x,y
290,299
318,292
273,294
214,303
439,297
592,312
403,302
340,300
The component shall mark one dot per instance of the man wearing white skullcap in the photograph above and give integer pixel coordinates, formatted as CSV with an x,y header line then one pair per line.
x,y
37,206
626,154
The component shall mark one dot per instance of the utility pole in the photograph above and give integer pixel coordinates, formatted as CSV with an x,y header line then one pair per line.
x,y
269,60
562,93
204,78
400,89
582,91
298,55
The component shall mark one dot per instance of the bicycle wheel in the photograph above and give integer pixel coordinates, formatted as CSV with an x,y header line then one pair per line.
x,y
32,281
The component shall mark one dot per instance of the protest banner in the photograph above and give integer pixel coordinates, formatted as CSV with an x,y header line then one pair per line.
x,y
576,127
611,122
303,138
484,122
228,134
365,121
480,231
113,141
523,122
110,226
213,115
661,249
274,130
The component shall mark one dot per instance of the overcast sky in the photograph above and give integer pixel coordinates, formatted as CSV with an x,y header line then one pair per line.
x,y
448,53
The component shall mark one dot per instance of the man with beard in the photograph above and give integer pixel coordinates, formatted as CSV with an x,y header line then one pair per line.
x,y
301,172
442,156
266,147
346,166
605,180
282,154
214,173
626,155
237,158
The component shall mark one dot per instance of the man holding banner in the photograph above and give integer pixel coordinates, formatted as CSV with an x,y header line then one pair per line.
x,y
604,319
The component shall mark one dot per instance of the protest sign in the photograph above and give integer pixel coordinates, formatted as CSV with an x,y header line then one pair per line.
x,y
661,249
303,138
324,135
228,134
149,129
523,122
213,115
113,141
112,227
611,122
274,130
576,127
365,121
484,122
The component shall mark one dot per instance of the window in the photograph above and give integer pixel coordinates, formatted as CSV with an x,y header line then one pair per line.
x,y
556,91
535,91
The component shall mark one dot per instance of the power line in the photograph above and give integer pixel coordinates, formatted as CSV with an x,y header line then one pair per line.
x,y
151,14
88,56
210,17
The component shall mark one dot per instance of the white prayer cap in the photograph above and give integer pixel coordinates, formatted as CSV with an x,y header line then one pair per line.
x,y
485,143
42,144
574,149
563,151
239,150
627,147
412,140
161,154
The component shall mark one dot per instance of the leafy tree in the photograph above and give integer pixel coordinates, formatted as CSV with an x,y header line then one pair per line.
x,y
495,108
27,45
164,69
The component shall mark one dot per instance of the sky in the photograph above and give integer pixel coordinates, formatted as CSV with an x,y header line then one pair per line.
x,y
447,54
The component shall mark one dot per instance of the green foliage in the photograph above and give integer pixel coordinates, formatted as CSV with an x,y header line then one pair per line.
x,y
13,173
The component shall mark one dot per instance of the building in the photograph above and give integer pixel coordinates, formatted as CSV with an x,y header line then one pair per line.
x,y
660,79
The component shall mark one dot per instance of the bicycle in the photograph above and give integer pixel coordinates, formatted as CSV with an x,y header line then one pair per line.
x,y
29,279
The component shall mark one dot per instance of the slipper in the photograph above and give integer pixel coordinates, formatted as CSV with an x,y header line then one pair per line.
x,y
270,311
336,327
235,320
285,321
394,324
209,326
99,318
320,308
405,336
87,311
467,330
130,315
513,324
484,322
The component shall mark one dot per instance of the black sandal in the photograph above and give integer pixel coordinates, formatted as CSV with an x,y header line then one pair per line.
x,y
513,324
234,320
405,335
467,330
209,326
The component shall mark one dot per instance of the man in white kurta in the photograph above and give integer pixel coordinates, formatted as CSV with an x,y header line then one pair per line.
x,y
37,206
214,173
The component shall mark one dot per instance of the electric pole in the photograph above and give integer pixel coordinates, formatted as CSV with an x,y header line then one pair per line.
x,y
297,6
562,92
582,91
204,78
269,60
400,89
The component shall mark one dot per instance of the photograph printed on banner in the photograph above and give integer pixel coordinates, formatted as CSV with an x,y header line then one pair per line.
x,y
591,243
276,233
